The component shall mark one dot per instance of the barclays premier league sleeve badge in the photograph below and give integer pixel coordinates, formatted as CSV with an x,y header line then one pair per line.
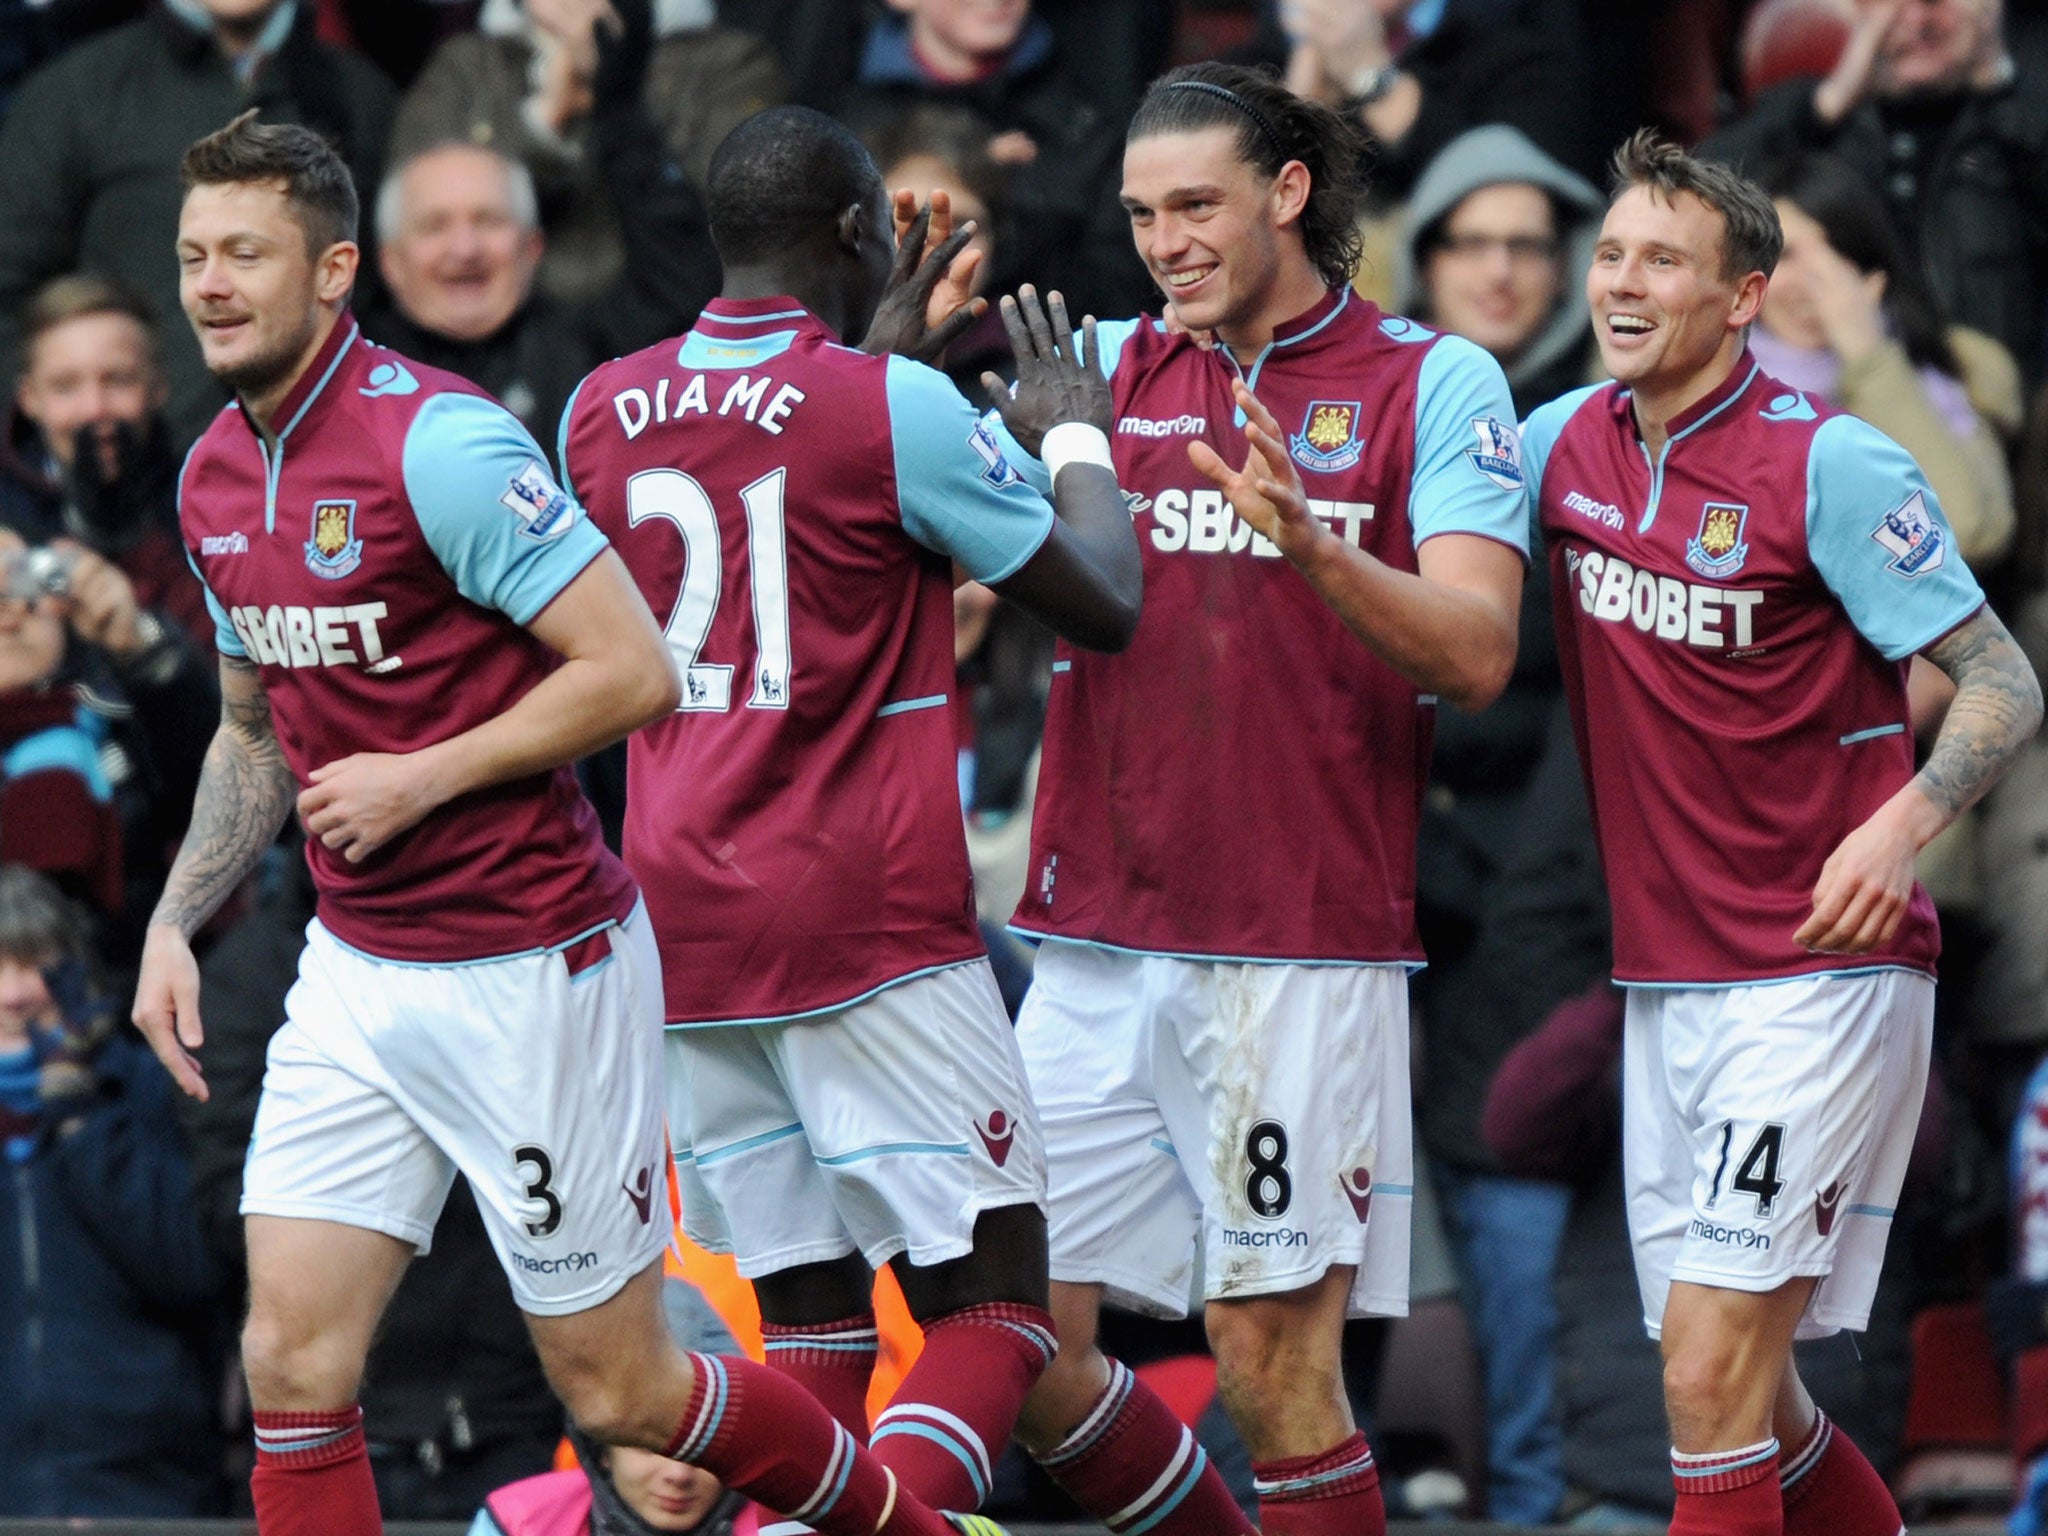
x,y
1913,537
1499,454
543,508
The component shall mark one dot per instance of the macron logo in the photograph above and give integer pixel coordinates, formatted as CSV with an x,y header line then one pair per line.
x,y
1162,426
224,544
1603,513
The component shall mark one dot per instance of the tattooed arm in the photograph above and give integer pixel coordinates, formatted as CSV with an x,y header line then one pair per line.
x,y
245,793
1867,881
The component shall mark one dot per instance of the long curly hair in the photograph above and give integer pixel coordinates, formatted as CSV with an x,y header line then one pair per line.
x,y
1273,126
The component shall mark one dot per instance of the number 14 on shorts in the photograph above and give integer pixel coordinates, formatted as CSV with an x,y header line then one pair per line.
x,y
1756,1171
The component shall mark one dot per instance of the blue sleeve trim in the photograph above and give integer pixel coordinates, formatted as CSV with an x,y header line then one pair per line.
x,y
955,487
509,537
225,640
562,436
1469,474
1878,537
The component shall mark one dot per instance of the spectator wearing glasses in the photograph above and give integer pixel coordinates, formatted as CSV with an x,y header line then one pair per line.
x,y
1497,242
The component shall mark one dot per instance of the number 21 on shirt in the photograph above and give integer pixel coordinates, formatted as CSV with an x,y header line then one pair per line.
x,y
678,498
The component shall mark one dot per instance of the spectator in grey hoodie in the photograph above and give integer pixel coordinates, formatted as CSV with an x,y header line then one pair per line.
x,y
1495,248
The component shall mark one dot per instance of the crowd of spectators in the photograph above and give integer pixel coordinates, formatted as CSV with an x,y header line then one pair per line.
x,y
533,169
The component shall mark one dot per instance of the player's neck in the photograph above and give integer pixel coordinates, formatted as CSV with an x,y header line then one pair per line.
x,y
262,406
766,282
1657,405
1297,288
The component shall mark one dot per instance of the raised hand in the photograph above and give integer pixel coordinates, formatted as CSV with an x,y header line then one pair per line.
x,y
929,299
1267,493
1849,82
1056,379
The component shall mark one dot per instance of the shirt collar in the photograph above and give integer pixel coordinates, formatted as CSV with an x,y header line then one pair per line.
x,y
311,389
738,319
1317,318
1740,377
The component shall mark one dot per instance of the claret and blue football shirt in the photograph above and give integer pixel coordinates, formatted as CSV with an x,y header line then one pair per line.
x,y
1735,617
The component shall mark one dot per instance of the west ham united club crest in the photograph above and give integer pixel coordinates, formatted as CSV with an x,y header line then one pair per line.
x,y
334,550
1717,550
1329,438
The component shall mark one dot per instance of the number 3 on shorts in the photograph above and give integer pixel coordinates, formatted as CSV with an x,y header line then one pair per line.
x,y
1267,1188
1757,1173
537,1188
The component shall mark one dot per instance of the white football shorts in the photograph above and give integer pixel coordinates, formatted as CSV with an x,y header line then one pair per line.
x,y
882,1128
537,1077
1766,1130
1262,1106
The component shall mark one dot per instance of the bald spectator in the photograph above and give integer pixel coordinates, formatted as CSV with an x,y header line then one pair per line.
x,y
460,247
86,454
89,153
1925,102
552,84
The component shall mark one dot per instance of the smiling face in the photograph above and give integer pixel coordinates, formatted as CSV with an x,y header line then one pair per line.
x,y
1494,274
258,299
1668,319
1220,238
462,260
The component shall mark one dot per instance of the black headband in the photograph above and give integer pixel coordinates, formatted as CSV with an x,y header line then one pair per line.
x,y
1225,93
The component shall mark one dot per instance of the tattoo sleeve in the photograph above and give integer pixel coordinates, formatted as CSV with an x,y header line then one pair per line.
x,y
245,792
1996,708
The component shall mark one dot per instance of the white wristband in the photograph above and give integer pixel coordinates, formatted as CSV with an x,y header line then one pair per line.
x,y
1074,442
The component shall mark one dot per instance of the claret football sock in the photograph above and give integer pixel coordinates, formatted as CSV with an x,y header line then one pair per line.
x,y
1135,1467
1728,1493
312,1475
958,1406
832,1361
1333,1493
756,1430
1830,1489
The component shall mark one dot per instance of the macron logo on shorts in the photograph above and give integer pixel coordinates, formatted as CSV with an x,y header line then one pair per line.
x,y
1358,1190
999,1135
642,1194
1825,1203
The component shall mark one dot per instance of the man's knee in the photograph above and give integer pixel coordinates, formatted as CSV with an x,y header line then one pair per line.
x,y
295,1366
1725,1355
1261,1336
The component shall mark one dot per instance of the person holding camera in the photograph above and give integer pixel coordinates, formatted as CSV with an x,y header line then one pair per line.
x,y
105,717
87,456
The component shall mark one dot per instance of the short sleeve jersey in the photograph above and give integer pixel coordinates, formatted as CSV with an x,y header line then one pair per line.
x,y
792,509
1734,620
1245,780
379,566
